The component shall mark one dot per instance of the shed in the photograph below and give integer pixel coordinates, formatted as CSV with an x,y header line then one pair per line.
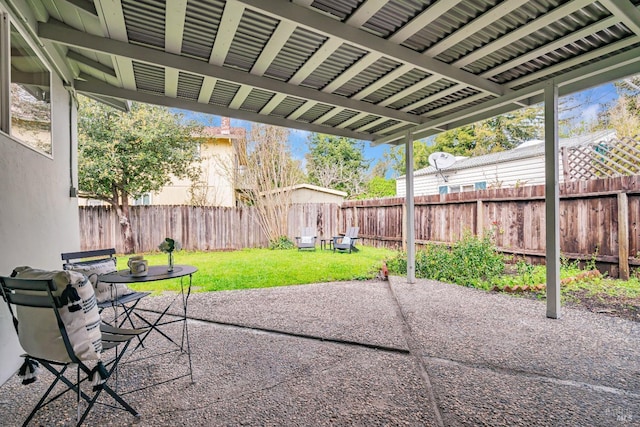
x,y
307,193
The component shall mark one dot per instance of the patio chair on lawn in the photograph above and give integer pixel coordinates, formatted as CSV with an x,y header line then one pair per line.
x,y
59,327
95,263
348,241
307,239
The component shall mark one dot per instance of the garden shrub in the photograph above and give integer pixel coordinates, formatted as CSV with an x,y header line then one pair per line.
x,y
472,261
281,242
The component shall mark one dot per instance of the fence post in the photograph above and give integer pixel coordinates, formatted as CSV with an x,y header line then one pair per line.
x,y
404,227
623,236
479,218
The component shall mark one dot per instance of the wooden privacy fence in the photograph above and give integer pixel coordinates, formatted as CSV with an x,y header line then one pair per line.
x,y
196,228
598,218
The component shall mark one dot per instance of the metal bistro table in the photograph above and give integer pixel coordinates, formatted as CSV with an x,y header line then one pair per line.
x,y
159,272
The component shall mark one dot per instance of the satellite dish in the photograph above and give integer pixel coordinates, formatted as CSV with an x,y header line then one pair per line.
x,y
441,160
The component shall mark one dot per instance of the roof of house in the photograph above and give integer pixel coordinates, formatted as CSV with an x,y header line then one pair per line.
x,y
533,148
314,188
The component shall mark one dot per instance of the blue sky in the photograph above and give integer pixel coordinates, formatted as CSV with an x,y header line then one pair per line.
x,y
590,102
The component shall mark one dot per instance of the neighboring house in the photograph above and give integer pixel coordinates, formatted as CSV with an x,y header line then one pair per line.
x,y
220,167
523,165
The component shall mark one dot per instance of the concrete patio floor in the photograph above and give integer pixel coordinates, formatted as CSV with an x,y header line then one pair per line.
x,y
373,353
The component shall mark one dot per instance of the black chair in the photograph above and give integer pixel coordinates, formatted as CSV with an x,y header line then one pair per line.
x,y
87,261
44,295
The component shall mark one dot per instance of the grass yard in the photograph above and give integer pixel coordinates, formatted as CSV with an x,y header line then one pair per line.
x,y
263,268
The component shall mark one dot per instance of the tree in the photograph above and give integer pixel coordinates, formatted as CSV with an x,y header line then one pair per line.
x,y
498,133
128,154
337,162
269,174
379,186
624,114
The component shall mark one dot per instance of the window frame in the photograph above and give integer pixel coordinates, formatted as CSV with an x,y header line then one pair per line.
x,y
6,25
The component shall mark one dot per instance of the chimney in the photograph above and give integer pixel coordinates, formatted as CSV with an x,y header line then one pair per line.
x,y
225,128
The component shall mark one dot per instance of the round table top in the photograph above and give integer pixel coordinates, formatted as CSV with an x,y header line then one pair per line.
x,y
155,272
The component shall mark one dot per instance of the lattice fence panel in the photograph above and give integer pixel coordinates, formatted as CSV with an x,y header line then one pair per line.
x,y
617,157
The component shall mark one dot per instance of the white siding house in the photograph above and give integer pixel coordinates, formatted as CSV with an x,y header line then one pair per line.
x,y
523,165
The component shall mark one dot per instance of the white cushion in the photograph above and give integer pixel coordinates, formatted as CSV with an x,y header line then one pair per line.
x,y
306,239
38,329
104,291
346,240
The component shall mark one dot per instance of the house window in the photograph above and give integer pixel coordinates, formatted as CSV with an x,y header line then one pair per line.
x,y
145,199
468,187
482,185
454,189
443,189
26,111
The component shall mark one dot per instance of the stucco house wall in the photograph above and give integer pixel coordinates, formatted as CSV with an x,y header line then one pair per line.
x,y
217,159
38,218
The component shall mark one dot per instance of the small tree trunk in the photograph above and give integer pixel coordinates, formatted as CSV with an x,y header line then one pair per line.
x,y
122,210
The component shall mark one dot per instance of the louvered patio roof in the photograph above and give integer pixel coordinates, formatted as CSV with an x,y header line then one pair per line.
x,y
367,69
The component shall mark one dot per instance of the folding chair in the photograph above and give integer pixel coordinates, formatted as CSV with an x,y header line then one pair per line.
x,y
57,347
99,262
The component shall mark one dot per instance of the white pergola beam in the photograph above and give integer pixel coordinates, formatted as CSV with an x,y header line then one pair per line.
x,y
278,39
302,110
93,86
206,90
240,96
175,13
171,76
283,9
66,35
81,59
549,47
365,11
174,16
591,74
429,15
273,103
626,12
595,54
487,18
113,26
388,78
355,69
327,49
533,26
410,90
229,23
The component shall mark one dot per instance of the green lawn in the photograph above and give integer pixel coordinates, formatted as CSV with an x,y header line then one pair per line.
x,y
263,268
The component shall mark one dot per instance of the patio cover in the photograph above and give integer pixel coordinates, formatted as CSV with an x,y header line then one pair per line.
x,y
388,71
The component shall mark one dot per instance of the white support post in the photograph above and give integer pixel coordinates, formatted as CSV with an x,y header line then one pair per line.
x,y
410,230
552,199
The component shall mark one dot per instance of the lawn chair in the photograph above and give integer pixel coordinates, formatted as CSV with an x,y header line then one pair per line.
x,y
95,263
59,327
307,239
348,241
